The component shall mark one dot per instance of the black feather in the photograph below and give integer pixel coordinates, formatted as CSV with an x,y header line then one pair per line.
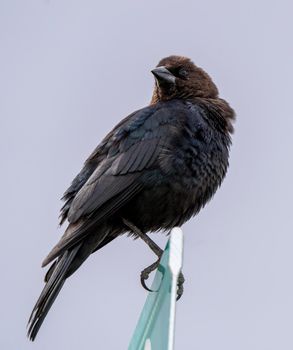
x,y
50,292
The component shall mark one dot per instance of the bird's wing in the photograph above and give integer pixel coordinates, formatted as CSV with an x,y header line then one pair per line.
x,y
133,148
90,165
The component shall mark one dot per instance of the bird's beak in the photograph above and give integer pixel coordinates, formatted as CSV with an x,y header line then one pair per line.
x,y
163,75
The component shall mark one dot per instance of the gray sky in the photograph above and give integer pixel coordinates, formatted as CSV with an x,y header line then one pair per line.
x,y
63,63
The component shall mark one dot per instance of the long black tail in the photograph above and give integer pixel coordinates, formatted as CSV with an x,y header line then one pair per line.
x,y
55,279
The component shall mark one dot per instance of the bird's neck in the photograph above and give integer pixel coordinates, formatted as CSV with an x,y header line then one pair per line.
x,y
219,111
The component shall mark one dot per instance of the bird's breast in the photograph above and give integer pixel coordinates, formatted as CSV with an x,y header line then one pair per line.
x,y
186,179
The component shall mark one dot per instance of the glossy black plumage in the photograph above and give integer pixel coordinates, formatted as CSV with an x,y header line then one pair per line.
x,y
156,168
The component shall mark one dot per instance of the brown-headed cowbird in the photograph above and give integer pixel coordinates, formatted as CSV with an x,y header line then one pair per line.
x,y
156,169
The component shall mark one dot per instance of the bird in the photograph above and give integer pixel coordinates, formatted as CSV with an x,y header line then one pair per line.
x,y
155,170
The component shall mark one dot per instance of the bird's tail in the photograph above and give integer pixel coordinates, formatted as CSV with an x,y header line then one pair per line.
x,y
54,279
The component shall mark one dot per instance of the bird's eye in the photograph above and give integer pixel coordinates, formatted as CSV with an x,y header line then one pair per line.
x,y
179,72
183,73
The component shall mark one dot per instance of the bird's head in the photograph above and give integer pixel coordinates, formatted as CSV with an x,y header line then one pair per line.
x,y
179,77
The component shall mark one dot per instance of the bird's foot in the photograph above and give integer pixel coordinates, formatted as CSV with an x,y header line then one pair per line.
x,y
159,252
180,288
144,275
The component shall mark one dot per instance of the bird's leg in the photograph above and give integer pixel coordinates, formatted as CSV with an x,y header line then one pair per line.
x,y
154,247
158,251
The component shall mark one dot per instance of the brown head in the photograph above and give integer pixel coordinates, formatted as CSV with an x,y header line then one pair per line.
x,y
179,77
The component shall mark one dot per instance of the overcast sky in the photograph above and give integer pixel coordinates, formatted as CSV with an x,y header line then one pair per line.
x,y
69,71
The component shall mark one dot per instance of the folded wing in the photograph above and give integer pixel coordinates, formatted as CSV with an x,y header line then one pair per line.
x,y
132,149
